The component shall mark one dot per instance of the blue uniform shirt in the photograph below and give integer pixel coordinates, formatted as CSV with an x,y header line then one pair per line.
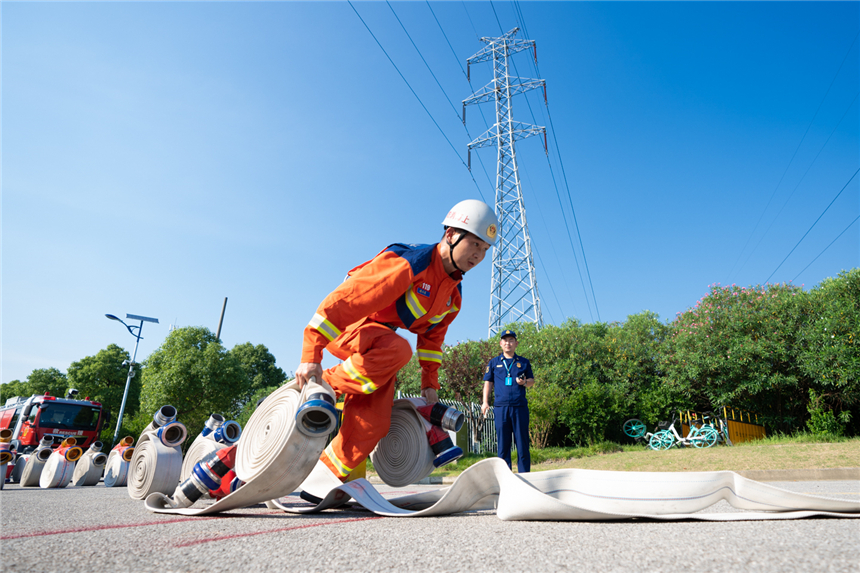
x,y
498,369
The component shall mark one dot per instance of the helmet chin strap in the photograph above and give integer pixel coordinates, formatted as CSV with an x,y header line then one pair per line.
x,y
451,250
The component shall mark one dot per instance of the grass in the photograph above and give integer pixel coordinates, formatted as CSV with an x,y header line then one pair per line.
x,y
800,451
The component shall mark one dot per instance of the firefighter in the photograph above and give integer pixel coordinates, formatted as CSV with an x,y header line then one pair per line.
x,y
413,287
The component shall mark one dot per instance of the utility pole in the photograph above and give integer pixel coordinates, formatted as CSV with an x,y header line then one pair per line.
x,y
513,288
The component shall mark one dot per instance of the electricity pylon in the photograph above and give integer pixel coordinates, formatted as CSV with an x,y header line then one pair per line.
x,y
513,289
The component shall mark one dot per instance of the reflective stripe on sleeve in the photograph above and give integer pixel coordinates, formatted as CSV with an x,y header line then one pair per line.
x,y
342,469
438,318
367,385
323,326
413,304
430,355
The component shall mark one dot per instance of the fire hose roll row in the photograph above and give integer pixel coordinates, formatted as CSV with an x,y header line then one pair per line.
x,y
157,461
278,449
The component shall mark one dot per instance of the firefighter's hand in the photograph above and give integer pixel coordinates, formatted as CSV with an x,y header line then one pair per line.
x,y
430,395
308,370
484,408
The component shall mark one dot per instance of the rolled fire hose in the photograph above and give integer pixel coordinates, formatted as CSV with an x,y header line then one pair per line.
x,y
89,468
60,467
216,435
157,461
594,495
404,456
116,467
278,448
35,463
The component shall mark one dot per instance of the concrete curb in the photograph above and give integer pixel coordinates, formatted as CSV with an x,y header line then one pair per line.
x,y
821,474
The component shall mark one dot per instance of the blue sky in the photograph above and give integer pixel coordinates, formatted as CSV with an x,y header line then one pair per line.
x,y
158,157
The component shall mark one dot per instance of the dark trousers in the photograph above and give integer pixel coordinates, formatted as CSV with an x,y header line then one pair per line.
x,y
513,420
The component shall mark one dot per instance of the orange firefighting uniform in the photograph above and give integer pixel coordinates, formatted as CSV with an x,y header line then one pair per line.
x,y
404,286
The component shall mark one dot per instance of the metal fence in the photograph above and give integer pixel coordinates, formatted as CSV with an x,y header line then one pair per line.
x,y
480,430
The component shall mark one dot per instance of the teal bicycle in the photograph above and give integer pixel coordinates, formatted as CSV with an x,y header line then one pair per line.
x,y
666,435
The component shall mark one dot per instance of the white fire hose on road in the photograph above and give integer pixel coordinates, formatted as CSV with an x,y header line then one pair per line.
x,y
89,468
157,461
116,467
593,495
33,463
60,467
278,448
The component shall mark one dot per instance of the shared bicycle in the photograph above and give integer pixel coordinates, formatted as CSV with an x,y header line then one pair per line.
x,y
702,434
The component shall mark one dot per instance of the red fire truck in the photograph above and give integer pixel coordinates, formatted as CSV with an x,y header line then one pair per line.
x,y
33,418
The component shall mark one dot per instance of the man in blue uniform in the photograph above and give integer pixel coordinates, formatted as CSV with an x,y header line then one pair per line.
x,y
510,375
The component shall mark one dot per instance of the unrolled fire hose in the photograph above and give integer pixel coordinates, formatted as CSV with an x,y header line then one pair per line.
x,y
278,448
593,495
116,467
89,468
561,495
34,463
60,466
157,461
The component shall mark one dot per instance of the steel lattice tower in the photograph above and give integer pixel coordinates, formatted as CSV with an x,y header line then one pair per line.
x,y
513,289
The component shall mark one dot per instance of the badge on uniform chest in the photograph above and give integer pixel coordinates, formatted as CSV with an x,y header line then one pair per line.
x,y
509,381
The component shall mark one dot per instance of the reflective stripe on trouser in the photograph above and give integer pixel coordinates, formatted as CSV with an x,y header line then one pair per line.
x,y
372,354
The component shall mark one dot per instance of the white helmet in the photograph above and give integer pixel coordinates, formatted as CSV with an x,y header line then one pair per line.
x,y
475,217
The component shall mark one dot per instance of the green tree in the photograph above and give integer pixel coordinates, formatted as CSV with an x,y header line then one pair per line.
x,y
102,377
409,377
462,369
829,347
258,365
12,389
192,372
737,347
49,380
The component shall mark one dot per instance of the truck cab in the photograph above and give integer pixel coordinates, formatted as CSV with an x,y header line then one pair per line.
x,y
33,418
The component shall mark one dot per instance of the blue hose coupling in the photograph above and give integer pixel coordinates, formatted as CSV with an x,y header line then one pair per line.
x,y
448,456
317,416
212,424
228,433
172,434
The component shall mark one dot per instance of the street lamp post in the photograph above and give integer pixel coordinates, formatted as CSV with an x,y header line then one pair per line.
x,y
137,337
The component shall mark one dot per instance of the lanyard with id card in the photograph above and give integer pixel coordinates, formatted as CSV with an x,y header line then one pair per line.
x,y
508,379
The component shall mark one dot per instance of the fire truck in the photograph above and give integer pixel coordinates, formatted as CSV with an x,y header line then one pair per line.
x,y
33,418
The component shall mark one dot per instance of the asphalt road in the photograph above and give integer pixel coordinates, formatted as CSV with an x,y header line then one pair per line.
x,y
102,529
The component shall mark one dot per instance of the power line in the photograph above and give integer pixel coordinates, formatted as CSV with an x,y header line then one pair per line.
x,y
827,247
799,182
570,200
416,97
792,157
813,225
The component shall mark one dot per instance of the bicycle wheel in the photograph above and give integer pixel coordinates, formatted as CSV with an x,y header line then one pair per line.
x,y
662,440
634,428
704,438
